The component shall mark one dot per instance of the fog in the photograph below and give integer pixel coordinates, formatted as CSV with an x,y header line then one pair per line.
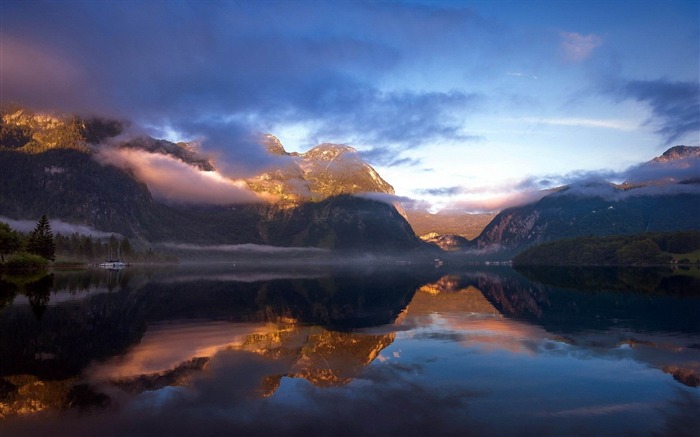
x,y
58,226
172,180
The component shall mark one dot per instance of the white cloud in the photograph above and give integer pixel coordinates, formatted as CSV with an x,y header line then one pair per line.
x,y
587,122
173,180
576,47
58,227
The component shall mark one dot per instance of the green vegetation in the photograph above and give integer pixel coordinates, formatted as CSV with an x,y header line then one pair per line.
x,y
40,240
23,261
10,241
83,248
35,250
639,249
27,254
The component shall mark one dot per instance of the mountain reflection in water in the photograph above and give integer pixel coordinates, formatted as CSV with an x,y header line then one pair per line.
x,y
409,351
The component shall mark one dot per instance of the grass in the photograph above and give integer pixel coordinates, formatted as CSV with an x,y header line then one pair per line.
x,y
694,256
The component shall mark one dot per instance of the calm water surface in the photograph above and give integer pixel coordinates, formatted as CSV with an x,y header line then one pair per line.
x,y
199,350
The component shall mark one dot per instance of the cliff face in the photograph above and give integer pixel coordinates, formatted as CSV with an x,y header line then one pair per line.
x,y
48,166
563,215
660,195
324,171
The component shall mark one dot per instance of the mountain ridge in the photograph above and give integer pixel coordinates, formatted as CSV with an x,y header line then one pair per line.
x,y
600,209
48,166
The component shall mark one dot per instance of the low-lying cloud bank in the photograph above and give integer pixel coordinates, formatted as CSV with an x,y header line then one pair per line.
x,y
661,178
243,248
172,180
58,227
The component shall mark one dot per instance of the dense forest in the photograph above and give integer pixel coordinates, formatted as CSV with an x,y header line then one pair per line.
x,y
79,247
36,249
639,249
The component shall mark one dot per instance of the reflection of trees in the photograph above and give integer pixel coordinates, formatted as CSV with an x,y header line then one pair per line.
x,y
39,292
660,281
8,291
102,325
36,286
70,337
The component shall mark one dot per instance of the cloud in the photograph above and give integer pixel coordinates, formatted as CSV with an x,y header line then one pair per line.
x,y
442,191
58,227
678,170
521,74
34,74
388,156
175,181
407,118
662,175
576,47
585,122
244,248
223,70
675,106
496,202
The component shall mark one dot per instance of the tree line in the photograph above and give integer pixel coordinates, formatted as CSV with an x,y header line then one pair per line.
x,y
39,247
640,249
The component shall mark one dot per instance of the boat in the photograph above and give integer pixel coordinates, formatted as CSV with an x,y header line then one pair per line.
x,y
113,264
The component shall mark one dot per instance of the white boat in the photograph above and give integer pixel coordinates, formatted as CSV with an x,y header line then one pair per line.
x,y
113,264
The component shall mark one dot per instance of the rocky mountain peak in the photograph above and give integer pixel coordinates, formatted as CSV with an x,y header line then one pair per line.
x,y
273,145
325,170
329,152
678,152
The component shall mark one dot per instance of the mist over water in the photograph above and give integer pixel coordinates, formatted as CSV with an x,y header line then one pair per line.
x,y
359,349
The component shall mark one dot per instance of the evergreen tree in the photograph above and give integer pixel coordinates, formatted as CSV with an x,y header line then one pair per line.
x,y
40,240
125,248
113,247
10,240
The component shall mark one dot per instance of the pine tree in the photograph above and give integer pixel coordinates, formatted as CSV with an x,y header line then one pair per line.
x,y
40,240
9,240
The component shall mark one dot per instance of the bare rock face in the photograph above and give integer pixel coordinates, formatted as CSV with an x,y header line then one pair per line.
x,y
446,242
49,165
678,152
677,164
324,171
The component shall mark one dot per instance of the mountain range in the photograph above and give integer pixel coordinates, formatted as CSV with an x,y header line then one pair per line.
x,y
651,200
64,167
87,171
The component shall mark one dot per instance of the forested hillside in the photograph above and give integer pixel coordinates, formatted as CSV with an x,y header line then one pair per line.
x,y
639,249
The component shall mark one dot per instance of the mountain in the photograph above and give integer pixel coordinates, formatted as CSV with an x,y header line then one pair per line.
x,y
448,223
447,242
598,209
676,165
324,171
48,166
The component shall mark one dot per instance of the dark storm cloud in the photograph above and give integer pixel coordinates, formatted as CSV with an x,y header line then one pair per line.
x,y
675,105
220,70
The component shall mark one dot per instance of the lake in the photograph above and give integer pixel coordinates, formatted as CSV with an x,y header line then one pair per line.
x,y
361,350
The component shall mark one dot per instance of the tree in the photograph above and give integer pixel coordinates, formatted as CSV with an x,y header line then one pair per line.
x,y
40,240
10,241
125,248
640,252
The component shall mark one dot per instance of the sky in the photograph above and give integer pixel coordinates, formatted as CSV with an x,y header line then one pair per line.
x,y
468,105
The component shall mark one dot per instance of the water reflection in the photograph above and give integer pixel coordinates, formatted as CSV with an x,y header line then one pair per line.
x,y
372,351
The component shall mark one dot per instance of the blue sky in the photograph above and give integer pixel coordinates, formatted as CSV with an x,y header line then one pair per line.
x,y
469,105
